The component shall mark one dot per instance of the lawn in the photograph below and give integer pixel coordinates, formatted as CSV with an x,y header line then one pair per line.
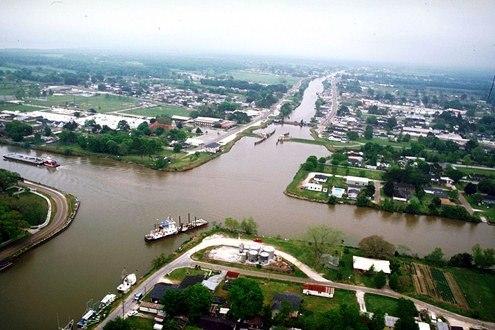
x,y
354,171
140,323
490,172
262,77
479,290
168,110
312,303
376,303
101,103
180,273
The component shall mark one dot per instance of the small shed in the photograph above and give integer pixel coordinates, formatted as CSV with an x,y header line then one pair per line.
x,y
365,264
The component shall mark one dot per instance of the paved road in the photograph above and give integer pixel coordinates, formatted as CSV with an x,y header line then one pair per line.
x,y
185,260
58,222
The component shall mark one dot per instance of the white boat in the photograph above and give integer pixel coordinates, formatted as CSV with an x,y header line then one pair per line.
x,y
196,223
165,228
107,300
128,281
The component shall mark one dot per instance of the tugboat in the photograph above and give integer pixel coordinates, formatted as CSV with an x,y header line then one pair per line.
x,y
166,227
52,163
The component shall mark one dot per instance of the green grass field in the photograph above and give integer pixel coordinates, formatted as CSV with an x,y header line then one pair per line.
x,y
168,110
490,172
376,303
18,107
180,273
262,77
101,103
479,290
140,323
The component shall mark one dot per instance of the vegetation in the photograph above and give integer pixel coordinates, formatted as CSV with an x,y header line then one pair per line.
x,y
161,110
245,297
376,247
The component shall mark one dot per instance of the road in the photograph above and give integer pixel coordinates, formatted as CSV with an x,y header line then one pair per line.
x,y
335,103
58,223
185,260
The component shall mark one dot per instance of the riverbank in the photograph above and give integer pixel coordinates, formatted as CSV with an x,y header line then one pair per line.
x,y
64,210
342,277
336,177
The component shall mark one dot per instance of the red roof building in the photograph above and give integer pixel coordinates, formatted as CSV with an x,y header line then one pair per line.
x,y
316,289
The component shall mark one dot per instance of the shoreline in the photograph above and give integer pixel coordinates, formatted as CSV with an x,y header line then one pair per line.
x,y
61,220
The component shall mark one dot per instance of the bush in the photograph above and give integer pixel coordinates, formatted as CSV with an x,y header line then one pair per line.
x,y
380,280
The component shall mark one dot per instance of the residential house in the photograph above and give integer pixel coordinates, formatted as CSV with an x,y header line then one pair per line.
x,y
159,290
190,281
207,121
352,192
320,178
313,186
213,147
357,181
402,191
293,300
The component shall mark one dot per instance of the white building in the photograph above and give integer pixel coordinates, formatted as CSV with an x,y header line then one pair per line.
x,y
207,121
356,181
313,186
365,264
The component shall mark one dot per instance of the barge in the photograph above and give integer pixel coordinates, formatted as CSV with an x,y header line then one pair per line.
x,y
32,160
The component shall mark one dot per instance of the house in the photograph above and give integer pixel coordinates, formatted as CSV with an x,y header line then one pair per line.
x,y
361,263
212,282
442,326
213,147
293,300
402,192
151,308
423,326
156,124
352,192
437,192
195,142
357,181
181,119
207,121
390,321
316,289
227,124
446,181
355,160
214,323
337,192
313,186
159,290
320,178
190,281
489,200
330,261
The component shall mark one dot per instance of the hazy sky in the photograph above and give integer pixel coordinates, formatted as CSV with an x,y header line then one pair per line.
x,y
448,32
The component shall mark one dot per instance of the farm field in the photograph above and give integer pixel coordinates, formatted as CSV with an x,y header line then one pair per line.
x,y
101,103
167,110
262,77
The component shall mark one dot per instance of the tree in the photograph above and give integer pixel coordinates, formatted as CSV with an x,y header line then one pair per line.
x,y
461,260
362,199
406,308
376,247
199,131
406,323
380,280
332,200
118,324
174,302
436,257
368,132
388,189
323,240
198,299
47,131
17,130
483,258
245,297
143,128
177,147
232,225
122,125
487,186
8,179
352,135
470,189
391,123
370,189
249,226
377,321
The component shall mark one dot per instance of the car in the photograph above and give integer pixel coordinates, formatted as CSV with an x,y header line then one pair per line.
x,y
138,296
132,313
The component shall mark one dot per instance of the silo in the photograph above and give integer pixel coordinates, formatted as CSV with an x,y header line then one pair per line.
x,y
243,257
241,247
264,257
270,250
252,256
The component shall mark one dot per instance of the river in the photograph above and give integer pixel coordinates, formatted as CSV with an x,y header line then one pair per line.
x,y
120,203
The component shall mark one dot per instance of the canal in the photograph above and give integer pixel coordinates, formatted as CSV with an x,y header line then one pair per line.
x,y
120,203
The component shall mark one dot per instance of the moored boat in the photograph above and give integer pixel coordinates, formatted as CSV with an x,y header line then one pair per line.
x,y
166,227
126,284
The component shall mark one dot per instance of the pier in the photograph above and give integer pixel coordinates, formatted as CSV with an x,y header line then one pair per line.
x,y
265,137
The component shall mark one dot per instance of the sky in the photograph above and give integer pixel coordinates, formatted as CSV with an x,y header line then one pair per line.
x,y
451,33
